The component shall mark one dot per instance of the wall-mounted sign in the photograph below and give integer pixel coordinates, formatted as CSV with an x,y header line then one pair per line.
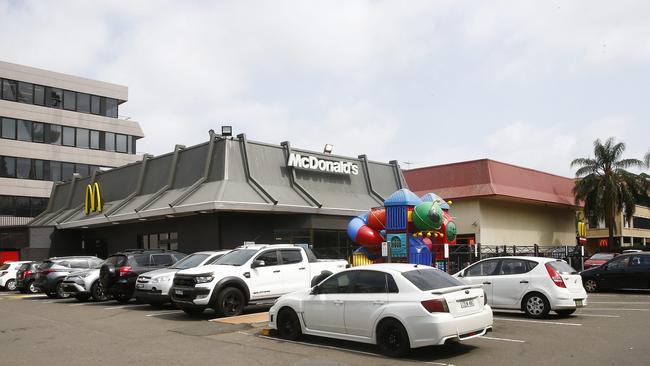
x,y
398,244
93,200
328,166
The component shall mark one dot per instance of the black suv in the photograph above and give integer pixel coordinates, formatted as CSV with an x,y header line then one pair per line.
x,y
25,277
120,271
50,274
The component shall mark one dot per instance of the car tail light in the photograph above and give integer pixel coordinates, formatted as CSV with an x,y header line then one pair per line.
x,y
27,273
48,271
557,279
124,270
436,306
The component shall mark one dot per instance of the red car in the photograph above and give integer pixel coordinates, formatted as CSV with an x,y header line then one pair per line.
x,y
599,259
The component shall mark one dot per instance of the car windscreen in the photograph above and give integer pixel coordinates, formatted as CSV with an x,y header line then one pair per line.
x,y
602,256
431,279
190,261
236,258
562,267
4,266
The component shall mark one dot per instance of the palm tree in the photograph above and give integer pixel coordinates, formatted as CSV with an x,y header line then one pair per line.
x,y
605,186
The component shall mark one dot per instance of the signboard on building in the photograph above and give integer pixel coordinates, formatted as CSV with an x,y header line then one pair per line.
x,y
398,245
327,166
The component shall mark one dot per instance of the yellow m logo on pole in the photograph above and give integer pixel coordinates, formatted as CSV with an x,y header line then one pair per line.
x,y
93,201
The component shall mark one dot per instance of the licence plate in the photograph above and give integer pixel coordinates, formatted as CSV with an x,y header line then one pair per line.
x,y
579,303
139,285
464,304
178,292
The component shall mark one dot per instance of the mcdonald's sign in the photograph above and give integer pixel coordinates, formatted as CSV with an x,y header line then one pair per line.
x,y
602,243
582,229
93,201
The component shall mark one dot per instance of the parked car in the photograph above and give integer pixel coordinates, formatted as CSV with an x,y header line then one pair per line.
x,y
249,274
153,287
396,306
632,251
85,284
8,274
50,274
118,274
598,259
626,271
25,277
534,285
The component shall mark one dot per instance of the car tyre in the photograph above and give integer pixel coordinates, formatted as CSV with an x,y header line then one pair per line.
x,y
31,288
535,305
565,312
97,292
289,325
591,285
392,338
59,291
10,285
192,311
230,302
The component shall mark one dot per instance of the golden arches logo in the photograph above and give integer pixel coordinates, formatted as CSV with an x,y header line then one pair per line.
x,y
582,229
93,201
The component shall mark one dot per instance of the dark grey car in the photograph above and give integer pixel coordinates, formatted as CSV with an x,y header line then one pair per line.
x,y
50,274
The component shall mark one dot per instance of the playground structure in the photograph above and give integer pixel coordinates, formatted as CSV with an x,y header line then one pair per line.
x,y
412,226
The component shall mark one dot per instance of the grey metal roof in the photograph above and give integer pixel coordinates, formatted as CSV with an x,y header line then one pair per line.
x,y
223,174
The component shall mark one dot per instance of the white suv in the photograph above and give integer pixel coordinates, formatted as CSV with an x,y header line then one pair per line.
x,y
531,284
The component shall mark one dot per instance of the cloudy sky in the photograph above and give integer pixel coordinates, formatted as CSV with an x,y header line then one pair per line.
x,y
526,82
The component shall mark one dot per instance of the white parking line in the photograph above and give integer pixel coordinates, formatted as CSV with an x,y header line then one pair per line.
x,y
538,321
165,313
615,309
502,339
82,304
124,307
620,302
599,315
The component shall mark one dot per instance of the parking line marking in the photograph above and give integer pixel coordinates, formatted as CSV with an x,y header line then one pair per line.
x,y
615,309
599,315
620,302
502,339
124,307
165,313
81,304
538,321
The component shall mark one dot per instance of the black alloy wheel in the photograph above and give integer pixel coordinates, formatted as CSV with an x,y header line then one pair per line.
x,y
230,302
60,293
97,292
392,338
591,285
289,325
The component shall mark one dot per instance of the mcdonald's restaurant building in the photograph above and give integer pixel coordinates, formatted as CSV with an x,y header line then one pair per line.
x,y
214,195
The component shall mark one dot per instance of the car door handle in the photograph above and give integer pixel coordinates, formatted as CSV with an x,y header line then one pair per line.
x,y
276,271
301,268
378,302
524,281
338,302
487,283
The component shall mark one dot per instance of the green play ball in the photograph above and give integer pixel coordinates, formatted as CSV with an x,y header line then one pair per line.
x,y
428,216
451,231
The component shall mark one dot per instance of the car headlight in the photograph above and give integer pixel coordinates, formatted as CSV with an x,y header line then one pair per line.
x,y
204,278
160,279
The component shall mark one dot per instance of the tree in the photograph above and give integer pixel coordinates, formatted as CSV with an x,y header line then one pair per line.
x,y
605,186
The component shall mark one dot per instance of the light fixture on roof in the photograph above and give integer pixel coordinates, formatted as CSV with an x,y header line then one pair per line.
x,y
226,131
328,148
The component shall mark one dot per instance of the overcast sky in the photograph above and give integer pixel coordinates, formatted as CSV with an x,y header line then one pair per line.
x,y
531,83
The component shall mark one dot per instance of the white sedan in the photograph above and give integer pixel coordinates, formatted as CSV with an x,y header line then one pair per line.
x,y
531,284
396,306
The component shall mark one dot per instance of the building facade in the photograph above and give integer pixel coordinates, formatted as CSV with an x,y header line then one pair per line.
x,y
53,125
633,232
494,203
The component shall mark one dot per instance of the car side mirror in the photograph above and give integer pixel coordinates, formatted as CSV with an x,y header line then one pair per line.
x,y
258,263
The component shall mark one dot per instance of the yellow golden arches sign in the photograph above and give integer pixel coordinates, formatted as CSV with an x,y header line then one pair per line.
x,y
93,201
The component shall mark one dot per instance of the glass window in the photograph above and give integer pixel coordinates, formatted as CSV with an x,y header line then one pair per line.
x,y
142,260
68,136
111,108
25,92
120,143
46,170
66,171
164,260
94,104
37,170
337,284
55,171
79,263
83,102
431,279
237,257
53,134
7,205
83,138
129,144
191,261
22,207
486,268
369,282
92,169
9,128
69,100
37,205
39,94
53,97
153,241
109,142
392,286
562,267
270,258
37,132
512,266
23,167
9,89
94,140
291,256
24,130
7,167
82,169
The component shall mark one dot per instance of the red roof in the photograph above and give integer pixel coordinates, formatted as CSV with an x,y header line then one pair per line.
x,y
485,177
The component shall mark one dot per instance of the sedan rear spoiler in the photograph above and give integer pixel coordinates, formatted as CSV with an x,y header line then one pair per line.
x,y
447,290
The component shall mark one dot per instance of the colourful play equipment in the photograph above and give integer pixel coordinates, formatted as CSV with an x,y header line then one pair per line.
x,y
413,227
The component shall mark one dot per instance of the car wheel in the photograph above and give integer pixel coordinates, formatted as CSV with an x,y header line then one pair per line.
x,y
31,288
59,291
536,305
591,285
288,325
97,292
122,298
10,285
230,302
192,311
392,338
565,312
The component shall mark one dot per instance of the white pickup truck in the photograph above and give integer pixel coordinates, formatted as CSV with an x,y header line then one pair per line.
x,y
249,274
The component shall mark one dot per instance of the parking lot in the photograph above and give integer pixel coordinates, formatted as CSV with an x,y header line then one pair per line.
x,y
35,329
